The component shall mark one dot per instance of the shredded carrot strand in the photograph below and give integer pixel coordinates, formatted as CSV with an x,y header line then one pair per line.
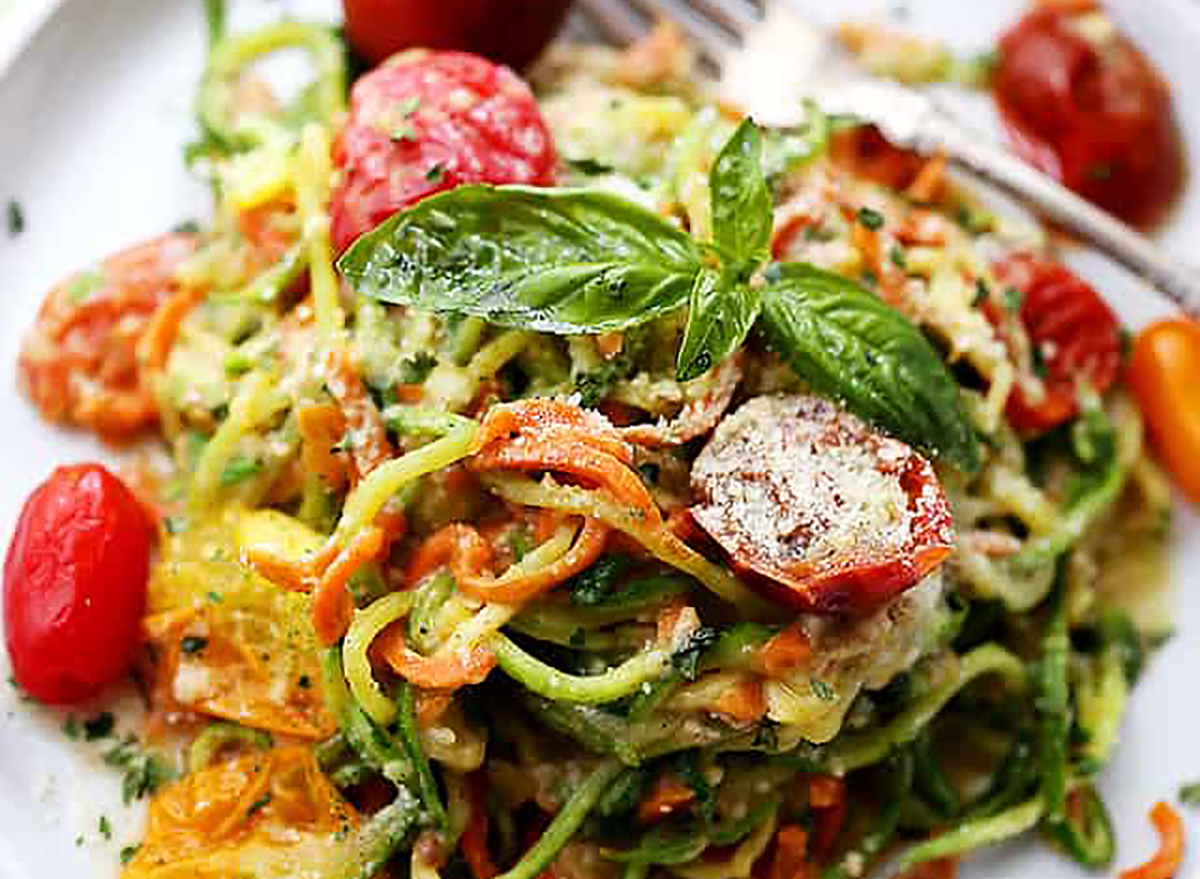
x,y
927,186
321,427
482,584
441,671
789,860
156,343
744,703
1169,857
785,652
667,796
543,416
371,446
332,606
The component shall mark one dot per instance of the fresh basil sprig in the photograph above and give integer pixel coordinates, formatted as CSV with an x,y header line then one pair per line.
x,y
555,260
724,304
573,261
848,344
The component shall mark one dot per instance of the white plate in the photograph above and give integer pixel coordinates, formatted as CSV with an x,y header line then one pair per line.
x,y
93,115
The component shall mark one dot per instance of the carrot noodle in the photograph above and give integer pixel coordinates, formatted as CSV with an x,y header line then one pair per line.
x,y
930,181
366,624
363,421
554,561
789,860
1169,857
667,796
444,670
654,536
332,606
475,837
785,652
545,416
155,344
321,427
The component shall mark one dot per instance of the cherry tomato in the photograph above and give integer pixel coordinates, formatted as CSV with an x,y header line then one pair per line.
x,y
1075,334
513,32
78,363
426,121
830,516
75,584
1164,373
1082,104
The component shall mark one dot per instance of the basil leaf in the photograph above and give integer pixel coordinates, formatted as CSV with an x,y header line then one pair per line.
x,y
741,200
848,344
721,314
555,260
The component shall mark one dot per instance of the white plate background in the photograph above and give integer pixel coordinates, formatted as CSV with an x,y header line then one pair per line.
x,y
93,116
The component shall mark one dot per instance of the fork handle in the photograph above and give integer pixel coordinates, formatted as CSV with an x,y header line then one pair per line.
x,y
1126,246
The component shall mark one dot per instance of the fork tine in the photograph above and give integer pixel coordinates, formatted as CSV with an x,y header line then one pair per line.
x,y
710,40
614,19
736,16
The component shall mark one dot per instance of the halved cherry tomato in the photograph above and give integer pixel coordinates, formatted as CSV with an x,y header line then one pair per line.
x,y
1083,105
510,31
830,516
75,584
78,362
424,122
1076,336
1164,373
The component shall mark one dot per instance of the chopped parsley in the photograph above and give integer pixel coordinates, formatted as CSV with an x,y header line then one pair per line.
x,y
215,597
414,370
686,659
259,804
105,827
403,132
869,218
144,773
193,643
822,690
409,106
16,218
128,853
304,682
71,727
1189,794
1013,297
590,167
99,727
83,285
435,174
982,293
187,227
239,468
898,257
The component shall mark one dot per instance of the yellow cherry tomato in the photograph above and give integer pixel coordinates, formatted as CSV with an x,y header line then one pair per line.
x,y
1164,373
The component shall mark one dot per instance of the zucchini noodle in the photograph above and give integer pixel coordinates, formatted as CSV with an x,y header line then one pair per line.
x,y
231,55
616,683
854,751
658,541
977,834
740,863
566,822
313,173
256,401
368,623
385,481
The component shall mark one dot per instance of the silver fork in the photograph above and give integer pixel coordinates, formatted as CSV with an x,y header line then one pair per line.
x,y
728,33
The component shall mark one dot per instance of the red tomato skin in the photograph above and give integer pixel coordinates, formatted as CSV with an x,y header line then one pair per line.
x,y
1098,120
1065,315
424,122
75,584
513,32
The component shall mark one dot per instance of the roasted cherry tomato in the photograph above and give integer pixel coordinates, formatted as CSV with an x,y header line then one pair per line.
x,y
78,363
75,584
1164,372
1083,105
831,516
513,32
424,122
1076,337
